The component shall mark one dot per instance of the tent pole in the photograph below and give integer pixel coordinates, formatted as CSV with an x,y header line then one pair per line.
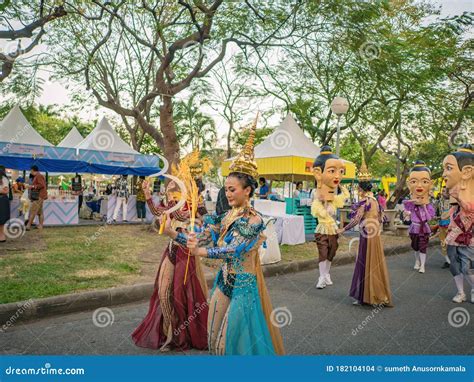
x,y
291,189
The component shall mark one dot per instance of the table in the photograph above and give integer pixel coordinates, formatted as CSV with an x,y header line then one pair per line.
x,y
391,215
268,207
306,202
60,212
289,228
14,208
107,208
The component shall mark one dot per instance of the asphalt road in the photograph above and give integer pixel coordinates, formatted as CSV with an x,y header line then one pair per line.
x,y
422,320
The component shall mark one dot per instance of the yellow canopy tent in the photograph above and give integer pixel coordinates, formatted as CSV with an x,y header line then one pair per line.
x,y
288,155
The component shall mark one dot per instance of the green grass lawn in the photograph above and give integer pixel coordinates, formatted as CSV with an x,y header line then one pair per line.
x,y
60,260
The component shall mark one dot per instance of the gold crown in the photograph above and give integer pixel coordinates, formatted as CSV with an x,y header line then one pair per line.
x,y
364,175
245,161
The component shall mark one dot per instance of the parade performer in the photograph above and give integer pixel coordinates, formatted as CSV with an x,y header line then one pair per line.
x,y
420,211
240,310
370,281
458,172
443,208
178,310
328,171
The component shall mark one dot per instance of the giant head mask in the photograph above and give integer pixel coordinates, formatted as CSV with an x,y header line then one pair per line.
x,y
328,170
458,172
419,183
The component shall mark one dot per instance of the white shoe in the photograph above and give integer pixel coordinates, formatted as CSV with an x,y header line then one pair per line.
x,y
422,269
472,296
355,302
321,283
460,297
417,264
328,280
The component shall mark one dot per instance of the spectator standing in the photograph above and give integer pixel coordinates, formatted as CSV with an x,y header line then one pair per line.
x,y
5,196
39,193
141,200
121,189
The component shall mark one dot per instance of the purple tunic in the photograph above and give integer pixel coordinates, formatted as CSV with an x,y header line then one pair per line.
x,y
420,216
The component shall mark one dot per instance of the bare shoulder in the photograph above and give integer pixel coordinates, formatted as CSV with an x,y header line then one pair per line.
x,y
255,219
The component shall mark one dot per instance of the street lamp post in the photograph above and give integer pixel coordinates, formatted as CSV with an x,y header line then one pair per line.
x,y
339,106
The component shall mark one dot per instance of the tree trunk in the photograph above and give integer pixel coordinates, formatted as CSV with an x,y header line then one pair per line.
x,y
229,134
171,148
400,191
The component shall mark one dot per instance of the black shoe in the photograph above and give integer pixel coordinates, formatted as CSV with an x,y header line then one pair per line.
x,y
445,265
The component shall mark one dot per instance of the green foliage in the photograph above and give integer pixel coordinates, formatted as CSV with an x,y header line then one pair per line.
x,y
194,129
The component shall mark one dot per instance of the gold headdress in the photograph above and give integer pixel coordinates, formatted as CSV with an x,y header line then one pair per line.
x,y
364,175
245,161
192,165
197,166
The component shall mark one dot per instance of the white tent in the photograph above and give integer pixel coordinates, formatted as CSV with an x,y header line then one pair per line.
x,y
16,129
72,139
287,154
287,140
105,138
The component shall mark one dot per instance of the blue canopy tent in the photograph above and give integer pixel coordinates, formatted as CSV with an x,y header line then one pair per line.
x,y
70,160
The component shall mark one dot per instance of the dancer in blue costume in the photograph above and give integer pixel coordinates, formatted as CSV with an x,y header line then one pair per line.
x,y
240,311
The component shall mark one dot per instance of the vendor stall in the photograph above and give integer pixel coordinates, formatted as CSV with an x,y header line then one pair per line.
x,y
101,152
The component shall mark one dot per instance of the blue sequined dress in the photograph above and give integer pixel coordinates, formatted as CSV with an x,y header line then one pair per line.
x,y
249,328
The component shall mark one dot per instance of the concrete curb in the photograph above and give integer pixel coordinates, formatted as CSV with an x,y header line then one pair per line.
x,y
69,303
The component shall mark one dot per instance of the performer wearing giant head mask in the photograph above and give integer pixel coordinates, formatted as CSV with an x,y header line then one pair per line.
x,y
328,170
458,172
420,211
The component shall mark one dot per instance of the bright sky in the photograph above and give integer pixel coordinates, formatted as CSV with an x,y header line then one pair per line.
x,y
55,93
